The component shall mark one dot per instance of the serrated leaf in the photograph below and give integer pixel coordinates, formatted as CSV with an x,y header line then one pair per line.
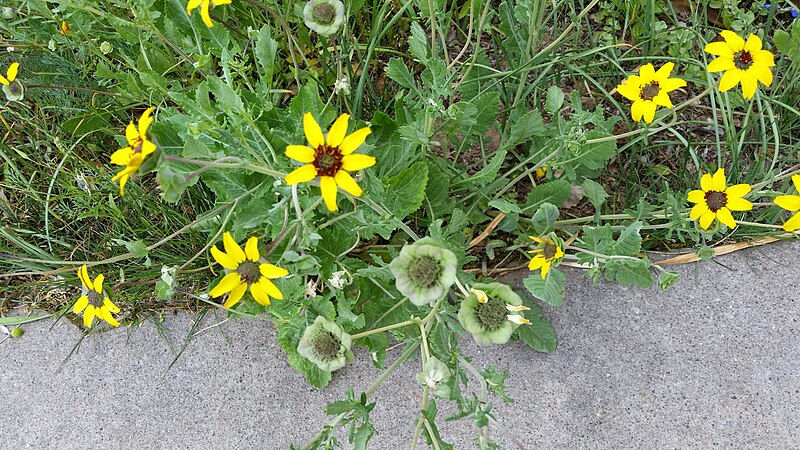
x,y
398,71
266,49
529,125
227,99
487,105
555,192
594,192
539,334
489,172
545,217
629,241
505,206
418,42
550,290
406,190
629,272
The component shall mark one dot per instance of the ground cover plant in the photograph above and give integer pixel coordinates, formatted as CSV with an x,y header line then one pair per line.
x,y
361,173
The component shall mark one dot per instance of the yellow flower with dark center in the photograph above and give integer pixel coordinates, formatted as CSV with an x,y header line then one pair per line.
x,y
715,200
137,150
743,62
245,269
330,158
205,6
649,90
791,203
545,256
94,302
11,74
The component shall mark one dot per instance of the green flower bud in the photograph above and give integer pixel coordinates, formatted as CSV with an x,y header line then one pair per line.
x,y
326,344
424,271
324,16
17,332
106,47
491,322
435,376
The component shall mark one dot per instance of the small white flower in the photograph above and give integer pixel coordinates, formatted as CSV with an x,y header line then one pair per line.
x,y
336,281
519,320
10,49
342,85
51,45
81,180
311,289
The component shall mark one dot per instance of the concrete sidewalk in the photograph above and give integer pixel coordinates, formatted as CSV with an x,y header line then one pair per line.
x,y
713,362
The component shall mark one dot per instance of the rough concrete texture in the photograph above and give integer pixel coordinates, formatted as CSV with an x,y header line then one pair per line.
x,y
712,363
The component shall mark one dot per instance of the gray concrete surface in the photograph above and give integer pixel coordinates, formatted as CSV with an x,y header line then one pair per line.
x,y
712,363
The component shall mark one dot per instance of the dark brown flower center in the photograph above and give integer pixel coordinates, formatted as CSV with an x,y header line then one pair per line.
x,y
491,314
326,345
716,200
137,146
425,271
650,90
549,250
15,88
249,271
743,60
95,299
324,14
327,161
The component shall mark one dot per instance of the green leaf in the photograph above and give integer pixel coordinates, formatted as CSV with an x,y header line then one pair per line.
x,y
555,99
629,272
487,105
505,206
266,49
705,253
550,290
406,190
529,125
489,172
594,192
539,334
19,320
545,217
629,242
418,42
555,192
667,279
227,99
398,71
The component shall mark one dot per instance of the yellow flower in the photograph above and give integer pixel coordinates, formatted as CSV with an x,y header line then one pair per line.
x,y
11,74
205,5
791,203
717,201
135,153
64,27
245,269
330,157
649,90
743,62
94,302
546,255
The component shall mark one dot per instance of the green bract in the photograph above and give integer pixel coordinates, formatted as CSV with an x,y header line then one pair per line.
x,y
326,344
434,376
14,91
424,271
488,322
324,16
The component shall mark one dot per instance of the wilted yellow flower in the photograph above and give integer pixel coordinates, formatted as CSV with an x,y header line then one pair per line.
x,y
791,203
649,90
330,157
546,255
205,6
743,62
717,201
137,150
94,302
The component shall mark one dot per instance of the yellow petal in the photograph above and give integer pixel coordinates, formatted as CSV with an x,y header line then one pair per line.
x,y
123,178
664,71
696,196
270,271
205,15
347,183
300,153
338,131
762,73
720,49
259,294
734,40
749,84
647,72
720,64
753,44
706,219
12,71
788,202
270,288
122,156
107,303
649,109
131,134
81,304
228,283
232,248
670,84
236,294
223,259
105,314
536,262
251,249
539,240
629,90
737,190
718,180
88,316
301,174
662,99
328,187
3,80
145,121
724,216
545,269
83,275
637,110
698,210
738,204
764,57
147,148
730,79
313,131
354,140
796,181
357,161
792,224
98,283
706,183
559,254
192,5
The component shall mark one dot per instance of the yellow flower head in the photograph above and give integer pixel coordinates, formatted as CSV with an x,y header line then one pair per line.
x,y
94,302
135,153
717,201
330,157
649,90
743,62
791,203
64,27
545,256
11,74
205,6
245,269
